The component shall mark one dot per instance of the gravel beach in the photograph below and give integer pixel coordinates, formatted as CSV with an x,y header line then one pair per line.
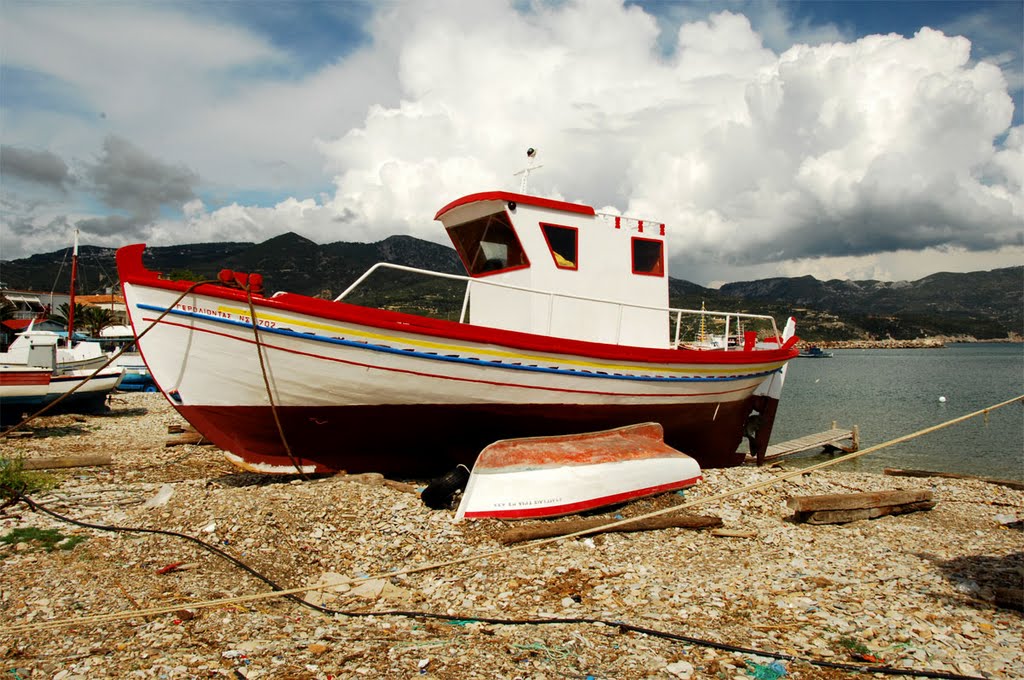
x,y
918,592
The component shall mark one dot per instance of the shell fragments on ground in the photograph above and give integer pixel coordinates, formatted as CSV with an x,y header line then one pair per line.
x,y
913,591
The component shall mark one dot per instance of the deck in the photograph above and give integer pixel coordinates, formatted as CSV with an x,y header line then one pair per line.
x,y
831,438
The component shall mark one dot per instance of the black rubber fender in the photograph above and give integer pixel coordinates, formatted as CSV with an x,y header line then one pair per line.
x,y
440,493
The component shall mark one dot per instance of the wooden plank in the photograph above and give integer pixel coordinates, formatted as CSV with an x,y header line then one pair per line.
x,y
857,501
1009,483
187,438
734,533
828,439
1009,598
547,530
844,516
64,462
808,442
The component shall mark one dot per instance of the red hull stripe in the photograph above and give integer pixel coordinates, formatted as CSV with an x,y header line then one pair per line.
x,y
23,378
454,378
433,356
581,506
132,271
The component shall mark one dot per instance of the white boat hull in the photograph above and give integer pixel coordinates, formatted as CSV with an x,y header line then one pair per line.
x,y
90,396
363,389
552,476
21,388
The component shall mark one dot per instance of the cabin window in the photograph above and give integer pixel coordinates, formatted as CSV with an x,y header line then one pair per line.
x,y
562,242
488,245
648,257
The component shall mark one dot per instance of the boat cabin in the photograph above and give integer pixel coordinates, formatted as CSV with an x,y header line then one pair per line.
x,y
561,269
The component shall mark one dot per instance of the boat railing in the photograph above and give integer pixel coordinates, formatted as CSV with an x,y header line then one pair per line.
x,y
728,317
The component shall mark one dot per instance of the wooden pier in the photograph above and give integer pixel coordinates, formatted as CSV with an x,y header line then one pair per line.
x,y
829,439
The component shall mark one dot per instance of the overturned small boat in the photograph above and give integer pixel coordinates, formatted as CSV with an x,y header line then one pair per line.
x,y
552,476
565,328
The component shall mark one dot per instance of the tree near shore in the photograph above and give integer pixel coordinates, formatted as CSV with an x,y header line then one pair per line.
x,y
89,317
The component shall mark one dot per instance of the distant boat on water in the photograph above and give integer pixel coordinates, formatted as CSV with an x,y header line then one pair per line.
x,y
815,352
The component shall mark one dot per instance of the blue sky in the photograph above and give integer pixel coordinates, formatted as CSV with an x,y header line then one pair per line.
x,y
838,139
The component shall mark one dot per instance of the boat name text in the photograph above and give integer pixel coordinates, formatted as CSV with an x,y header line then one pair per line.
x,y
206,311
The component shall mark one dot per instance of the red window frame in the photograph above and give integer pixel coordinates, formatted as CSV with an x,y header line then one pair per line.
x,y
575,262
472,233
658,267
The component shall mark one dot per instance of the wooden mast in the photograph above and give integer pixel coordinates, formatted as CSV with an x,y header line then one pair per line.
x,y
71,303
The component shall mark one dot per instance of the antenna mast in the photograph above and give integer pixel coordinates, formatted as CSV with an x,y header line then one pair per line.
x,y
531,155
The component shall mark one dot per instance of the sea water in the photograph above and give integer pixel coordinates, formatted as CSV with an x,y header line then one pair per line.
x,y
889,393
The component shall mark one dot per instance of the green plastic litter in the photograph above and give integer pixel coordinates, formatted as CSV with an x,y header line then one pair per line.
x,y
760,671
461,622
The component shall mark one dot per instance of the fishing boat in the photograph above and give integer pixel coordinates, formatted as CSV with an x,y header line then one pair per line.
x,y
119,344
40,354
77,355
21,388
541,477
79,376
814,352
136,374
565,328
71,354
83,390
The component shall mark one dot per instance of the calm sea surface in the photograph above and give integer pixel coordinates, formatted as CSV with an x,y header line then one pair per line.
x,y
891,393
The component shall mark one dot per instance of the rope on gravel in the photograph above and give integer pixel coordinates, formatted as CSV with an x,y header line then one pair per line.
x,y
101,618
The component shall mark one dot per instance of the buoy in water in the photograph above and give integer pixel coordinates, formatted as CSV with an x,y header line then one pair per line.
x,y
942,400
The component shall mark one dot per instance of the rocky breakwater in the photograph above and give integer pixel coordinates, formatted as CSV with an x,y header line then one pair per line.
x,y
912,592
886,343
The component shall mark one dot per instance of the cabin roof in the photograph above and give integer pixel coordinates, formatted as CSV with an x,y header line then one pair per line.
x,y
17,324
548,203
105,299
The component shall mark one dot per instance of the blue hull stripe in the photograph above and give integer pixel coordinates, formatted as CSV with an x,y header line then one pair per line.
x,y
457,359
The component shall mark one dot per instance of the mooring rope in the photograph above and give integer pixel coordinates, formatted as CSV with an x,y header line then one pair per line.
x,y
127,614
266,384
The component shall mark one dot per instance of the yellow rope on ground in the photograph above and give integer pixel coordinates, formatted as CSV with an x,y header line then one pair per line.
x,y
103,618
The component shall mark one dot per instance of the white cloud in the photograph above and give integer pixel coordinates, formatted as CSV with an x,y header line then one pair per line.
x,y
877,145
185,87
824,157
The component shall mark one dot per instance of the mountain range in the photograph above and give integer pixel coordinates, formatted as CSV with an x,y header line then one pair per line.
x,y
984,305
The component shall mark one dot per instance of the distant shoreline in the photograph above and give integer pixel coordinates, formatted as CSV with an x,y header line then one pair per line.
x,y
916,343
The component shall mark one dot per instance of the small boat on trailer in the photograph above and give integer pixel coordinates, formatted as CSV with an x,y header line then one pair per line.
x,y
566,328
552,476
